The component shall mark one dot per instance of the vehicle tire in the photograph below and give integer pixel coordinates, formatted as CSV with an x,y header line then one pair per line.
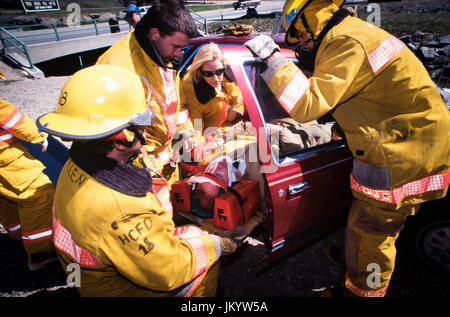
x,y
428,235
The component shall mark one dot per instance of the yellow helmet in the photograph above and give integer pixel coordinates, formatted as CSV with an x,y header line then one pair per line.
x,y
293,8
97,102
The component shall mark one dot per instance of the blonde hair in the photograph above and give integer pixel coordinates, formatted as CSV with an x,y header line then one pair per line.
x,y
206,53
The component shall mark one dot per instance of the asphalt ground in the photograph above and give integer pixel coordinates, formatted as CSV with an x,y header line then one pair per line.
x,y
304,273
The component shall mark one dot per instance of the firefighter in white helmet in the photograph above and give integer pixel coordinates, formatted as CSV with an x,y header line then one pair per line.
x,y
111,217
393,117
26,193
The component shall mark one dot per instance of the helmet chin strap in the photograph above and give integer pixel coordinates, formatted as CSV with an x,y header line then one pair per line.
x,y
307,28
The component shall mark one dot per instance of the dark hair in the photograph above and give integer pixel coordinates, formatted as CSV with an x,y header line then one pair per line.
x,y
96,148
170,16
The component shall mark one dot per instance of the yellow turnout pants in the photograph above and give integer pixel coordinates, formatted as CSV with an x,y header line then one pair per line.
x,y
370,246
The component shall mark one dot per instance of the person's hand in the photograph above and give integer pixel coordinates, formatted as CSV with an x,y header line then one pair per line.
x,y
262,46
227,245
44,145
44,142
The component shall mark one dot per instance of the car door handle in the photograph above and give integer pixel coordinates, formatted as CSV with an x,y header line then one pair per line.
x,y
298,188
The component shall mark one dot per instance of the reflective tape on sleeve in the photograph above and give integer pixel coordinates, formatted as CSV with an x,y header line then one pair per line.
x,y
37,235
6,138
161,191
200,255
188,231
294,91
164,156
12,120
63,241
385,52
182,117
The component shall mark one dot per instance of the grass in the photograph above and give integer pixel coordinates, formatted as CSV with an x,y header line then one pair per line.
x,y
197,8
402,24
394,23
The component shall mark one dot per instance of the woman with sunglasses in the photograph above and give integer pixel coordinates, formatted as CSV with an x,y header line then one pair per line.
x,y
209,91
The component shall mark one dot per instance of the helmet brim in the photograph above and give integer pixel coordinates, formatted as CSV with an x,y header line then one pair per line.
x,y
70,128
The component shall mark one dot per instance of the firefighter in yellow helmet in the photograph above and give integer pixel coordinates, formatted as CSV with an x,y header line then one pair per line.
x,y
26,193
394,119
110,217
154,50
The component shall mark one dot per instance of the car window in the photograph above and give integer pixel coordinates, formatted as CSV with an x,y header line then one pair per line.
x,y
288,137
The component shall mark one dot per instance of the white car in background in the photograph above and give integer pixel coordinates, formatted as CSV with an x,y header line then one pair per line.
x,y
144,10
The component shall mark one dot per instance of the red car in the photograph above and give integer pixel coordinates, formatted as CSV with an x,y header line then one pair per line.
x,y
307,192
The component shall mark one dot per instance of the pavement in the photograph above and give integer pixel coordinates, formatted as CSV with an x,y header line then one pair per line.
x,y
304,273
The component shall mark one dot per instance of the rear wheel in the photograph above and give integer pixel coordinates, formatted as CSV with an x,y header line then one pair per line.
x,y
428,235
433,245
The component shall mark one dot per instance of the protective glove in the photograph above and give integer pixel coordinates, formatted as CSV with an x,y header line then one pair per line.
x,y
262,46
243,231
238,30
227,246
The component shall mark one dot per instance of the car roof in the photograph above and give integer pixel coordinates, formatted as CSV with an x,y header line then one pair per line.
x,y
232,46
229,39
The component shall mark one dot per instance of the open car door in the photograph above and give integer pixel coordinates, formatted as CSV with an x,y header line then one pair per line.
x,y
307,191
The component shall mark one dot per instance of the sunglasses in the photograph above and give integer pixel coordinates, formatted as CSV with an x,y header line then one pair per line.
x,y
208,73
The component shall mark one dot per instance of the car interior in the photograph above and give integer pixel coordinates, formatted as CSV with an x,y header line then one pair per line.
x,y
289,139
294,138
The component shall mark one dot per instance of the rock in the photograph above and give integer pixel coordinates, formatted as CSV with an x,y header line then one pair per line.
x,y
433,44
24,20
445,40
31,20
423,36
412,47
106,16
444,51
440,59
434,74
445,93
431,66
446,72
427,54
406,39
420,34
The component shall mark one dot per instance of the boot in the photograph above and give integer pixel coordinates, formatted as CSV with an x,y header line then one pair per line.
x,y
337,291
40,260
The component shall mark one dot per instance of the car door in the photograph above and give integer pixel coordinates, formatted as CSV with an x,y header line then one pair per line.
x,y
306,191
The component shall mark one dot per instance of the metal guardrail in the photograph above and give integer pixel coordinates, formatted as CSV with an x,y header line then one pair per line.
x,y
200,20
16,42
7,37
10,40
60,28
